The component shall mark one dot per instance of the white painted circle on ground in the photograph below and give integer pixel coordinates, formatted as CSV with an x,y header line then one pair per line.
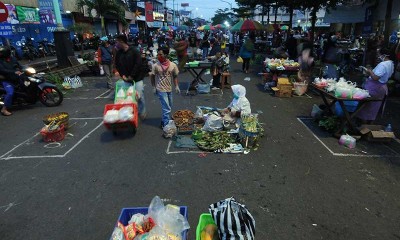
x,y
53,145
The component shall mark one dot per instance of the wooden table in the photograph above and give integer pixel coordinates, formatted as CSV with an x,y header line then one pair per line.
x,y
347,119
197,72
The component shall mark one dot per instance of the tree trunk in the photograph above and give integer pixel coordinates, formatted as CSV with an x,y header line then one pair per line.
x,y
268,14
290,18
103,28
388,19
313,20
81,46
262,15
276,11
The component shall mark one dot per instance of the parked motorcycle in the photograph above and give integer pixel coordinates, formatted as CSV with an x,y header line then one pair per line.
x,y
32,88
45,48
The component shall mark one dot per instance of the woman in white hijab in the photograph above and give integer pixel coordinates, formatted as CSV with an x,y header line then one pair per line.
x,y
240,105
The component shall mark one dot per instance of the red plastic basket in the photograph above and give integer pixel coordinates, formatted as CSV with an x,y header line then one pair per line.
x,y
54,136
121,124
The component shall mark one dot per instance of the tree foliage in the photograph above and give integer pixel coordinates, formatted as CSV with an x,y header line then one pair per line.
x,y
104,7
222,15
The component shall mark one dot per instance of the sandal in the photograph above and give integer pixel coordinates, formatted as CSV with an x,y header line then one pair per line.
x,y
6,113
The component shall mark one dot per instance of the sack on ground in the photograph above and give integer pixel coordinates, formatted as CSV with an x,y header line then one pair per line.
x,y
233,219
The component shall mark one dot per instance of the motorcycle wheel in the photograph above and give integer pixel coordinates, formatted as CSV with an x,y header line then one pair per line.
x,y
51,96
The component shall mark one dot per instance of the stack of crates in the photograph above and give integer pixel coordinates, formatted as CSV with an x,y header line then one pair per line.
x,y
283,88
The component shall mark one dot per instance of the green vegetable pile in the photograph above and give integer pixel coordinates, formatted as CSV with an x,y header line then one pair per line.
x,y
211,141
331,124
250,123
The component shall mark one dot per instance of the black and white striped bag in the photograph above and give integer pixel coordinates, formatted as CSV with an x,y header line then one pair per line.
x,y
233,219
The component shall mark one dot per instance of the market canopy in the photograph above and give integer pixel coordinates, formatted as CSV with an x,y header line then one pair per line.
x,y
284,27
220,26
206,27
247,25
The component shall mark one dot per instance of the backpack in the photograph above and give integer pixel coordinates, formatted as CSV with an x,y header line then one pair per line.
x,y
106,57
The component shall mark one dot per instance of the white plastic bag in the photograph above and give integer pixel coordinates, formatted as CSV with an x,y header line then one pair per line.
x,y
199,52
169,130
213,123
199,113
125,114
111,116
168,218
359,93
347,141
101,70
316,111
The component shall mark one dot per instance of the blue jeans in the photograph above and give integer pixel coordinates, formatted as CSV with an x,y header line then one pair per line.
x,y
139,86
205,53
166,106
9,88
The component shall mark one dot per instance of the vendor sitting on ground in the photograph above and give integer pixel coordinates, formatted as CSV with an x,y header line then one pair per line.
x,y
376,86
240,105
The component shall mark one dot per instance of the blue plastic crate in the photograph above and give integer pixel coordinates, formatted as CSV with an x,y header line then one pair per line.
x,y
351,106
127,213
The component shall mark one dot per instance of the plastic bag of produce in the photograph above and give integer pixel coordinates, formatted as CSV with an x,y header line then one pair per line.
x,y
169,130
125,114
233,219
111,116
168,218
213,123
198,113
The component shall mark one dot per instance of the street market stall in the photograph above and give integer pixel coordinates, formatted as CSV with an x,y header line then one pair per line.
x,y
213,130
197,70
349,100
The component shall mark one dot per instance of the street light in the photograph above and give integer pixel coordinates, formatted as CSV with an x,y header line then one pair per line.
x,y
230,4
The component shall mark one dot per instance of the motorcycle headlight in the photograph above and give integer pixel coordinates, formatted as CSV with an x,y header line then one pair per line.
x,y
30,70
27,83
34,79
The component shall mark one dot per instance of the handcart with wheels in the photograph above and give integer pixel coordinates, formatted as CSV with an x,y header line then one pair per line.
x,y
129,125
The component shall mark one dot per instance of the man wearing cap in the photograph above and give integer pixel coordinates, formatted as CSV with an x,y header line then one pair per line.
x,y
128,63
105,57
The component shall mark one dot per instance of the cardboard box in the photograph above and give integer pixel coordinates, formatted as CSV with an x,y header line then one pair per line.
x,y
284,88
376,133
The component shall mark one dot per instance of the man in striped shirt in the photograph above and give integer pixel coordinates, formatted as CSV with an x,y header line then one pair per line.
x,y
162,75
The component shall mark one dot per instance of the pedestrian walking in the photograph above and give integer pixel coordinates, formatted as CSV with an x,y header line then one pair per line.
x,y
105,56
163,73
246,53
205,45
128,63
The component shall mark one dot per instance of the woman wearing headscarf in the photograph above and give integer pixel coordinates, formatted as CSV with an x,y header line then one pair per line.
x,y
240,105
376,86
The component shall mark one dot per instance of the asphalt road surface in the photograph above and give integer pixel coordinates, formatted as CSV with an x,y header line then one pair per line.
x,y
295,186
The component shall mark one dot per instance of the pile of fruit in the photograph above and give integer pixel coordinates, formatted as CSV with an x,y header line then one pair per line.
x,y
57,118
183,118
280,64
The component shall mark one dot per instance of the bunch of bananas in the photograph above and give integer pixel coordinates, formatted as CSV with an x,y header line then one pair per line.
x,y
56,117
